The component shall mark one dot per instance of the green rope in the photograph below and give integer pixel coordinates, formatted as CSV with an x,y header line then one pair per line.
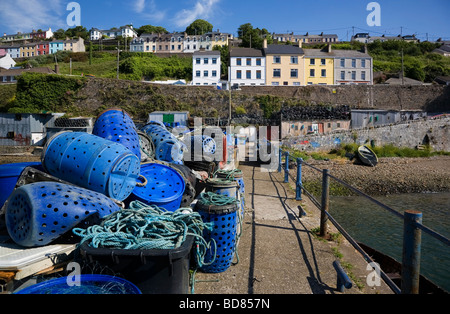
x,y
228,174
211,198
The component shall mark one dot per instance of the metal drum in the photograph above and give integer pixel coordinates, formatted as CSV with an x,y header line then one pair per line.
x,y
224,234
92,162
39,213
117,126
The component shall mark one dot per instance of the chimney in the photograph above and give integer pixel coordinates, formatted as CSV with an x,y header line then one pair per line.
x,y
329,48
300,43
265,43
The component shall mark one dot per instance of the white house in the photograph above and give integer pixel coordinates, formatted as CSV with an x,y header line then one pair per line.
x,y
124,31
6,62
206,68
247,67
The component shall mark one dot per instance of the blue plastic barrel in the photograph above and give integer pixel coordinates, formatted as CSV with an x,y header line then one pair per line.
x,y
117,126
9,174
39,213
85,284
164,187
167,146
92,162
224,219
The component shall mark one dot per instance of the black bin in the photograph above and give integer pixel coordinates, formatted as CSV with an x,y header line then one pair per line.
x,y
152,271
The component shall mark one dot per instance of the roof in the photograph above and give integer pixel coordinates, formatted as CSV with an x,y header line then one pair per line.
x,y
206,52
335,53
283,49
16,72
246,52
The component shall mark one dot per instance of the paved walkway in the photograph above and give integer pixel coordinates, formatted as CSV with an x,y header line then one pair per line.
x,y
277,252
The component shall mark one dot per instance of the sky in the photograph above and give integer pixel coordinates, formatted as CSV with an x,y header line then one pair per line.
x,y
425,18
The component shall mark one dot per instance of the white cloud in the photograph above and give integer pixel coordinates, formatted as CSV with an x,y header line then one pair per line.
x,y
203,9
139,6
148,10
26,15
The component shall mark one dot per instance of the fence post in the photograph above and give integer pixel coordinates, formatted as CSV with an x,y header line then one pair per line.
x,y
286,169
299,184
412,240
280,154
325,202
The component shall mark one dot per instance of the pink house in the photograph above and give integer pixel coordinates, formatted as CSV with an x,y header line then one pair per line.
x,y
2,52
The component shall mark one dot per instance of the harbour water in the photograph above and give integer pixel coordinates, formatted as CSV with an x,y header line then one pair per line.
x,y
368,223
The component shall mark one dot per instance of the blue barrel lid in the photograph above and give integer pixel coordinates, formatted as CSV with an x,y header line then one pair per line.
x,y
164,184
15,170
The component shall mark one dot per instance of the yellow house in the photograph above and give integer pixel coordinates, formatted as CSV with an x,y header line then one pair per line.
x,y
28,50
319,66
284,65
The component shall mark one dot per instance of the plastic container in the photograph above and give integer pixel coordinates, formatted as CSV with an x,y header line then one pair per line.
x,y
39,213
92,162
167,146
224,219
9,174
152,271
237,176
87,284
223,187
117,126
164,188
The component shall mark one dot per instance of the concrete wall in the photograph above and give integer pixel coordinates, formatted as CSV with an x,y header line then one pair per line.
x,y
409,134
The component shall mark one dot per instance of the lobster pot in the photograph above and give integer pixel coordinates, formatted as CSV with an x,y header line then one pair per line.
x,y
9,174
224,231
164,187
167,146
202,146
237,176
39,213
223,187
117,126
92,162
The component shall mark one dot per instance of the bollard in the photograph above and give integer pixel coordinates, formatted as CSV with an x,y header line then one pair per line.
x,y
286,169
412,239
280,154
343,281
299,184
325,202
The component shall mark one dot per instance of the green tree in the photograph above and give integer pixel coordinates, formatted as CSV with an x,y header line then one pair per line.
x,y
253,37
199,27
59,34
78,31
149,29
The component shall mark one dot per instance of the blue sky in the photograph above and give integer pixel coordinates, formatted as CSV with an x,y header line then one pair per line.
x,y
299,16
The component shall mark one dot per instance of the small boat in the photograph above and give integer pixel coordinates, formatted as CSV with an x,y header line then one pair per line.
x,y
367,156
393,270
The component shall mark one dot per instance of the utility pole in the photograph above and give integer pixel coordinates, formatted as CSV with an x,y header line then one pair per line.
x,y
118,60
403,70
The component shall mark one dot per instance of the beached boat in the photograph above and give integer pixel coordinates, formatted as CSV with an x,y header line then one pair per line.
x,y
367,156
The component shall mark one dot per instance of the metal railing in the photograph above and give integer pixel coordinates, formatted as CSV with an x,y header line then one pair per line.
x,y
412,233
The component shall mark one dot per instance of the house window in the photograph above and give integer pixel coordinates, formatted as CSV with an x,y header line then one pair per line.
x,y
353,75
276,59
353,63
197,74
276,72
363,75
258,74
239,74
258,61
205,73
239,61
312,61
214,61
294,59
363,63
323,62
197,61
324,73
249,61
205,60
312,73
294,73
342,75
214,73
249,75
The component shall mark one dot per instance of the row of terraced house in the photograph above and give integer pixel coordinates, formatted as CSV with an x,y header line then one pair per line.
x,y
32,49
285,65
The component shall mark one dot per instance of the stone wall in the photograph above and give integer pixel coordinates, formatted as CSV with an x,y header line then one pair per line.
x,y
436,132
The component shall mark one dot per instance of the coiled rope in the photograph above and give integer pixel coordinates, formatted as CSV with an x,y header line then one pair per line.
x,y
211,198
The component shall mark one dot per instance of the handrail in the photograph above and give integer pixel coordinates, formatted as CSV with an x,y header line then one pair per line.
x,y
325,213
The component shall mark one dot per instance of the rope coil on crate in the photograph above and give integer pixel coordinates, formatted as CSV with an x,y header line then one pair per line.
x,y
229,174
214,199
148,227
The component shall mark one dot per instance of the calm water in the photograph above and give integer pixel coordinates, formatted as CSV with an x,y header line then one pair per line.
x,y
370,224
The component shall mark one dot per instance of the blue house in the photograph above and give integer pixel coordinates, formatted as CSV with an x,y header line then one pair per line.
x,y
56,46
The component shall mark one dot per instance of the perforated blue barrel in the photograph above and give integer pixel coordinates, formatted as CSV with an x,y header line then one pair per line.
x,y
238,176
224,220
117,126
9,174
92,162
87,284
164,187
167,146
39,213
223,187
